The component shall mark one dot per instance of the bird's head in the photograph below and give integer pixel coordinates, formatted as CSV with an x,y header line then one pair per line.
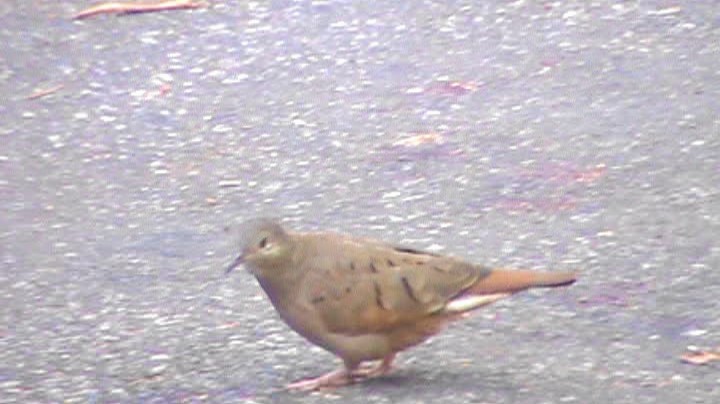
x,y
263,245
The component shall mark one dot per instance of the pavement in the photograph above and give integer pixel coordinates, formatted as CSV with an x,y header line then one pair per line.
x,y
546,135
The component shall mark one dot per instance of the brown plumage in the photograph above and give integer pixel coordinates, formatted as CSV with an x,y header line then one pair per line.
x,y
366,300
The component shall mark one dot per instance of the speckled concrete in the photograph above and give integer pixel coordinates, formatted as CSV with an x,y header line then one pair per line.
x,y
574,134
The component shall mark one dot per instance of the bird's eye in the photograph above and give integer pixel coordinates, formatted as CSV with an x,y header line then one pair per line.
x,y
263,243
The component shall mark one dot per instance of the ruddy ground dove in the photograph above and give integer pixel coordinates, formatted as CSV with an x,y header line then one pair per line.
x,y
365,300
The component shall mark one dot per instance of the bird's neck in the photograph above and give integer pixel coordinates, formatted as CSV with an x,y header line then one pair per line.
x,y
281,284
278,290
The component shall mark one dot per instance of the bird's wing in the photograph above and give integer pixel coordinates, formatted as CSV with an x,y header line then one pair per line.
x,y
363,286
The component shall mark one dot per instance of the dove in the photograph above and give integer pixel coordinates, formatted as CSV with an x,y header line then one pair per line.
x,y
364,300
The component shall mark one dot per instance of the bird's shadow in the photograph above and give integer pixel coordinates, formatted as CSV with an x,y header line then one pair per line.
x,y
419,380
425,384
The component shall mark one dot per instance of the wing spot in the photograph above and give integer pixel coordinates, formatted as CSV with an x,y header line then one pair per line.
x,y
437,268
352,266
390,263
408,289
373,269
378,296
318,299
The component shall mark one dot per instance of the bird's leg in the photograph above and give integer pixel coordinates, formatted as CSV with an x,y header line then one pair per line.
x,y
336,378
380,369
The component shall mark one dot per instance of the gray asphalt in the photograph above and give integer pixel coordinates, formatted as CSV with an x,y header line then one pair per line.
x,y
527,134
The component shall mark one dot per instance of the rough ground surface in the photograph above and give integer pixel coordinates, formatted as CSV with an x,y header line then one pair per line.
x,y
576,134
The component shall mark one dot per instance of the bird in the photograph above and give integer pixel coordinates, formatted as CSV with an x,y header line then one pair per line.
x,y
365,300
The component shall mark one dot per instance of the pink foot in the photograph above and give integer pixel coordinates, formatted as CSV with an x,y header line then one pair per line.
x,y
336,378
344,376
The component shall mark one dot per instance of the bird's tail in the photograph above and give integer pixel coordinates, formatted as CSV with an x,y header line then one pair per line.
x,y
501,283
512,281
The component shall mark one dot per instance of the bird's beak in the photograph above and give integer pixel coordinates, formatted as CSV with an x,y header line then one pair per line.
x,y
236,263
